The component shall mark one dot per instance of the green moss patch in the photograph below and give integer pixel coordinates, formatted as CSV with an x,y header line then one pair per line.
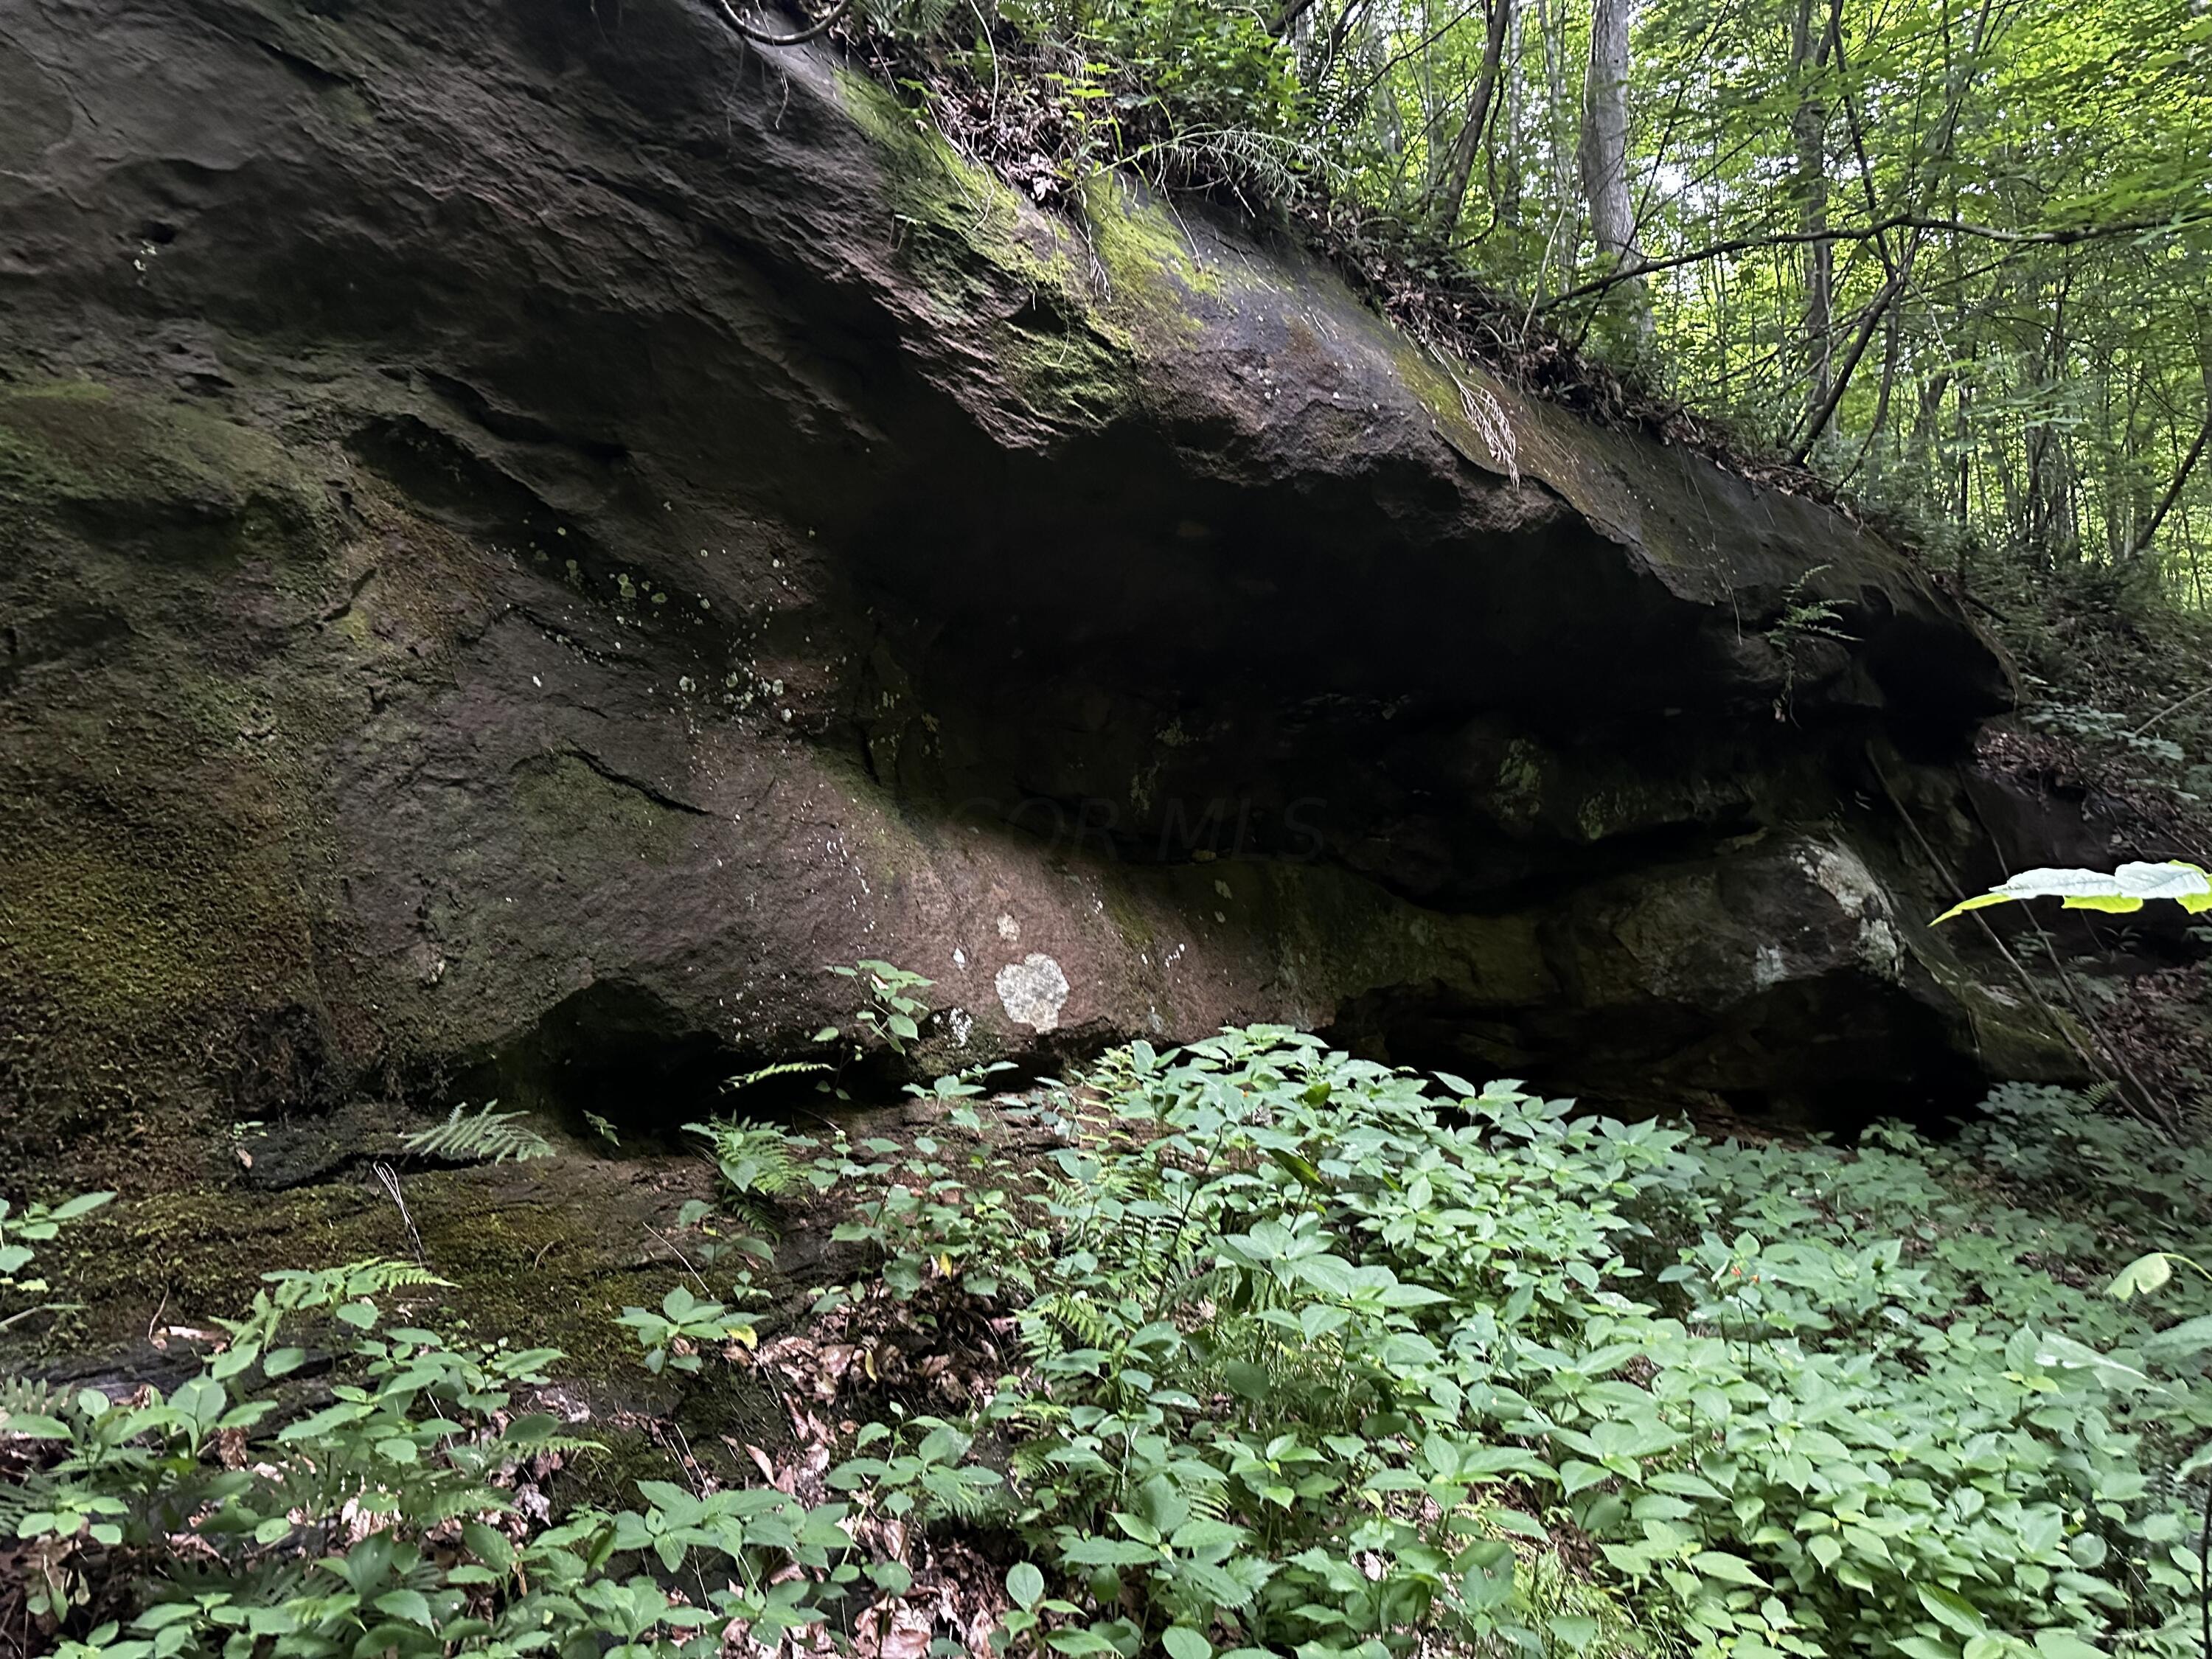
x,y
169,481
548,1254
1157,283
988,261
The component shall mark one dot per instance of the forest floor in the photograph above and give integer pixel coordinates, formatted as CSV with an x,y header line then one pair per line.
x,y
2113,742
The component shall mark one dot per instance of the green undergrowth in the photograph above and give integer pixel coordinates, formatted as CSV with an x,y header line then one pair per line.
x,y
1254,1349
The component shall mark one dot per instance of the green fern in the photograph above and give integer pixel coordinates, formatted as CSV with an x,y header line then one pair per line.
x,y
781,1068
957,1494
24,1396
1031,1458
22,1495
1058,1315
756,1159
489,1137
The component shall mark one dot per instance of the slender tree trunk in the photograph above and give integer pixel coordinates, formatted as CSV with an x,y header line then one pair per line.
x,y
1963,406
2044,494
1809,132
2180,479
1817,420
1505,182
1451,187
1602,152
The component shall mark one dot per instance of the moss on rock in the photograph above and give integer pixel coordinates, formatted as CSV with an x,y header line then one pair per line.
x,y
165,480
547,1253
1156,281
984,255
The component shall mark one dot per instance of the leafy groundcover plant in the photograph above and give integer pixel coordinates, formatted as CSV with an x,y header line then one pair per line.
x,y
1303,1357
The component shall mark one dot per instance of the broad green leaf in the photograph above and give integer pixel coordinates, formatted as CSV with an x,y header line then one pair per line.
x,y
2123,890
488,1546
1952,1609
406,1605
2065,1645
1726,1568
1077,1643
2142,1276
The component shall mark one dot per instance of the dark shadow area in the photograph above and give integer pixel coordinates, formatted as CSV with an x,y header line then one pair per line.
x,y
617,1052
1828,1056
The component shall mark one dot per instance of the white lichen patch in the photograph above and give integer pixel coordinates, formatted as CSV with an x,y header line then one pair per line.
x,y
1033,991
1859,895
1009,929
1768,967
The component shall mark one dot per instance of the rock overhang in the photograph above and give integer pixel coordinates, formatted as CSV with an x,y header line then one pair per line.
x,y
739,535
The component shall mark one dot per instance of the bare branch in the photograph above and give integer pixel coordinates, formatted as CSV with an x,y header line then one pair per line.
x,y
813,30
2063,238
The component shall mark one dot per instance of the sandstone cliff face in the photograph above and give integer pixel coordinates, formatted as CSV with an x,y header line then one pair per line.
x,y
529,532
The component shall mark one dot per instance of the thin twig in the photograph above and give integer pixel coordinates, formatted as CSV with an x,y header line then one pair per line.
x,y
2170,709
2066,238
385,1173
680,1256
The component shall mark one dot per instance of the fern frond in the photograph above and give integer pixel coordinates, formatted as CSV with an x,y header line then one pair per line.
x,y
755,1158
1209,1500
948,1497
371,1276
24,1396
303,1488
489,1137
1032,1458
431,1506
25,1495
377,1277
1091,1323
781,1068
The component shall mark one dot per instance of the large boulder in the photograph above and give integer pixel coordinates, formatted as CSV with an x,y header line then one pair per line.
x,y
530,531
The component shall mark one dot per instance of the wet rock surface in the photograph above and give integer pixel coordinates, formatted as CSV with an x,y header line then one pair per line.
x,y
532,530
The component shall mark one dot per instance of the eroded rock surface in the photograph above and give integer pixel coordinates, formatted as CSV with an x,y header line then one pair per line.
x,y
531,531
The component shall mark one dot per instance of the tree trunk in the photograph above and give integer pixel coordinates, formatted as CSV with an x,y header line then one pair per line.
x,y
2046,504
1602,153
2181,475
1809,130
1450,188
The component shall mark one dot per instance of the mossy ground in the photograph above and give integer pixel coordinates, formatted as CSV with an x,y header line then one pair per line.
x,y
555,1248
546,1254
